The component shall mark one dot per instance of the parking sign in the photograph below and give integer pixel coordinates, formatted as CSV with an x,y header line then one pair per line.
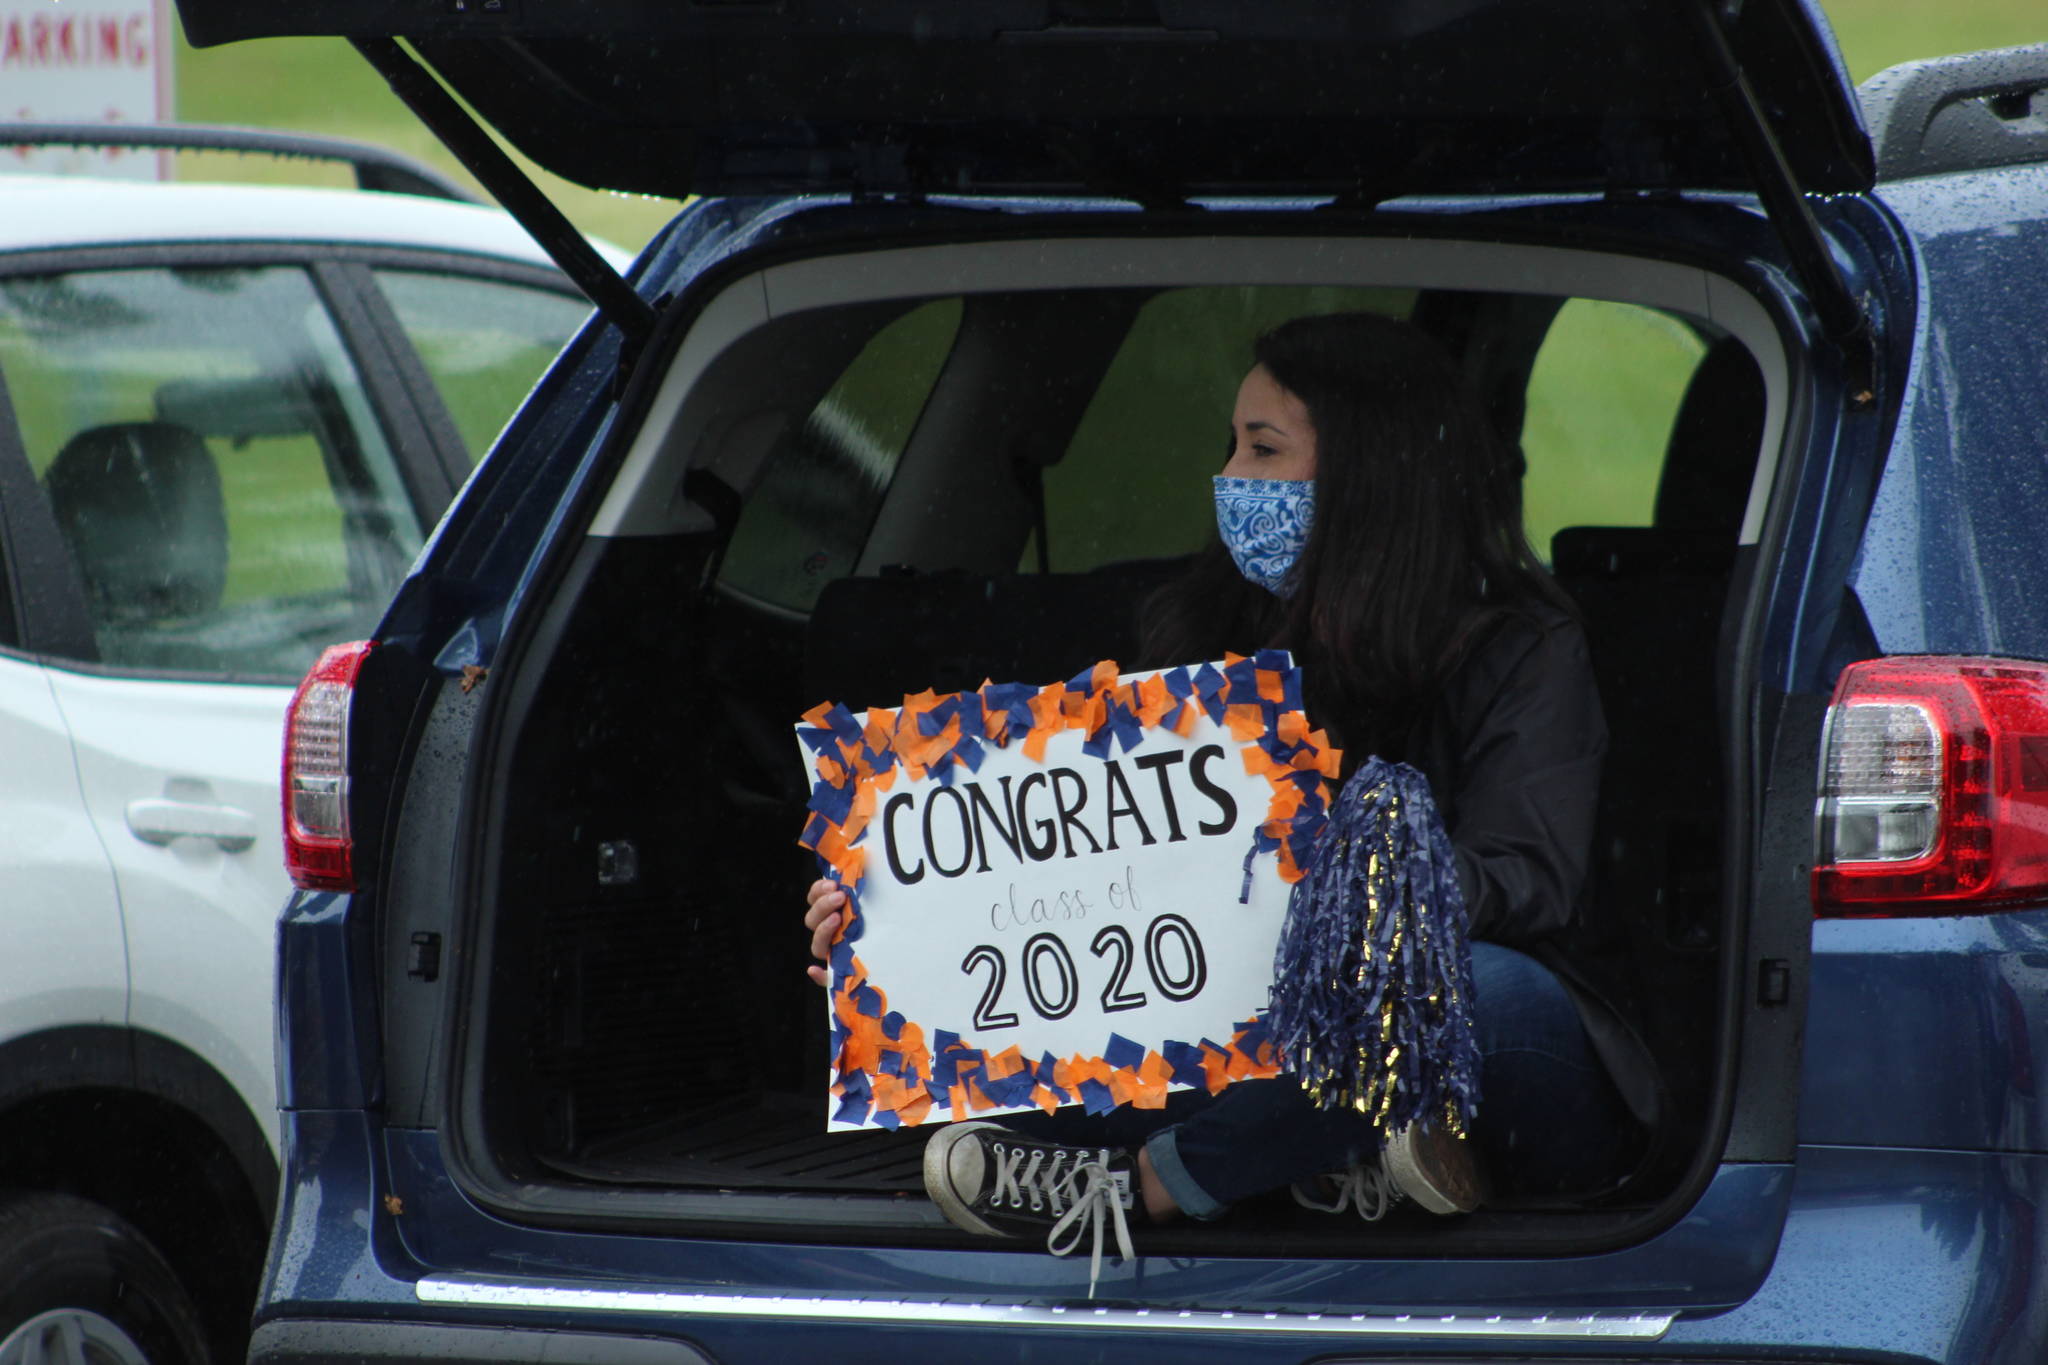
x,y
89,61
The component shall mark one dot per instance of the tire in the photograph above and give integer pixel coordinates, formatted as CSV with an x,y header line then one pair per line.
x,y
80,1286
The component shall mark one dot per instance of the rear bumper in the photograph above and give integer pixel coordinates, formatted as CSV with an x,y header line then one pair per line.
x,y
1108,1335
306,1341
1888,1254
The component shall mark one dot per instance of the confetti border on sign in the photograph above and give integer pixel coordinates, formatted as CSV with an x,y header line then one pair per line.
x,y
885,1070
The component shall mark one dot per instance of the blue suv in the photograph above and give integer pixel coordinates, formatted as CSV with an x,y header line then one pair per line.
x,y
907,398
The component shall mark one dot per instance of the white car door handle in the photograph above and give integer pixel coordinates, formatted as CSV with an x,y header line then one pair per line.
x,y
159,820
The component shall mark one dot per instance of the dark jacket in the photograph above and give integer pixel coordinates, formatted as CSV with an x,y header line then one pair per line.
x,y
1513,749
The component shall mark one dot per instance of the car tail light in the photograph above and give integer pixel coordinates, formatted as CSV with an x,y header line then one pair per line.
x,y
318,849
1933,788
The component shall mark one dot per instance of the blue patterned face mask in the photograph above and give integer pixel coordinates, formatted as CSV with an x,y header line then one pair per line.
x,y
1264,524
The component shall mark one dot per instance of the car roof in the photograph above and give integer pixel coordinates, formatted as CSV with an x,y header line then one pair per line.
x,y
40,212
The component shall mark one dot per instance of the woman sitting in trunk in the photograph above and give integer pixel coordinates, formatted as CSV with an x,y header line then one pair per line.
x,y
1370,522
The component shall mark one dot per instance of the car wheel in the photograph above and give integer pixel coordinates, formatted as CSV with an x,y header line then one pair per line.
x,y
79,1286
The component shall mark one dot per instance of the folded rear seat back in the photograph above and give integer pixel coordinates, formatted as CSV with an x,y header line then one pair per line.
x,y
874,640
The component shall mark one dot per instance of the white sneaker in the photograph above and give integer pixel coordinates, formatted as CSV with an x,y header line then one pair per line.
x,y
1436,1168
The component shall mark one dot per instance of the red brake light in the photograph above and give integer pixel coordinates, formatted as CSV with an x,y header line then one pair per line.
x,y
318,850
1933,788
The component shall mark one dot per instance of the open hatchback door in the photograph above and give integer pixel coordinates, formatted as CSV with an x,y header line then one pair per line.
x,y
1152,101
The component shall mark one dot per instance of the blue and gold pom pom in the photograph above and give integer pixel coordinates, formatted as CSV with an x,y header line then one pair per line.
x,y
1372,981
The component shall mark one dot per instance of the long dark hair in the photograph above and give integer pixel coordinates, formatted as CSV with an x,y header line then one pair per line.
x,y
1417,547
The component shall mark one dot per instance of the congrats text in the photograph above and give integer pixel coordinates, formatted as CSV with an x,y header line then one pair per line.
x,y
1062,894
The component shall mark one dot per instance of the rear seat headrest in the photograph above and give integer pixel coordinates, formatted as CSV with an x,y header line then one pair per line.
x,y
1713,446
140,506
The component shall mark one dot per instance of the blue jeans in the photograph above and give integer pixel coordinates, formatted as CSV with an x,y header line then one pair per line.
x,y
1550,1121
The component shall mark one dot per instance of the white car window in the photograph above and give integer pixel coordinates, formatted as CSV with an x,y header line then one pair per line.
x,y
485,342
229,504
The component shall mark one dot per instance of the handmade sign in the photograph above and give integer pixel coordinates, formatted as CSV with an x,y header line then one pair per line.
x,y
1063,894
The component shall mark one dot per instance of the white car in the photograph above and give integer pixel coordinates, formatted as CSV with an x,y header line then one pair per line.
x,y
229,415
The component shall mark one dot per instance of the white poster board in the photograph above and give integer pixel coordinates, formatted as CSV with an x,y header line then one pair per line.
x,y
85,61
1061,895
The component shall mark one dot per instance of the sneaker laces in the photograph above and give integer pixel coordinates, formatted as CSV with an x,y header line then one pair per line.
x,y
1041,1182
1364,1188
1077,1187
1101,1196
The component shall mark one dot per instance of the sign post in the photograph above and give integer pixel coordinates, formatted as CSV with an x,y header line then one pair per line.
x,y
85,61
1061,895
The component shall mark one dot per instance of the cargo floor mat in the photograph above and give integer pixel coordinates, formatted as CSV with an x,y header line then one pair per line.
x,y
753,1142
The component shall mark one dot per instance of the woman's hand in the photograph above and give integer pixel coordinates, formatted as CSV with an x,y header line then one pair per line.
x,y
824,909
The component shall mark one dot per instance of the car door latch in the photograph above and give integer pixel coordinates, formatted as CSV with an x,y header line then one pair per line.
x,y
423,957
1773,981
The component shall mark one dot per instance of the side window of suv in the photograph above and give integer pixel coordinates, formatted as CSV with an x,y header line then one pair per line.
x,y
809,514
484,342
1134,481
1603,397
211,461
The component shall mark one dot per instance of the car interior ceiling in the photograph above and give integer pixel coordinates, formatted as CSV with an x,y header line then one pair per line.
x,y
658,1031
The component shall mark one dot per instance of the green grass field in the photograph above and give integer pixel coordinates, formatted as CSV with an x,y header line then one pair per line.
x,y
321,86
1875,34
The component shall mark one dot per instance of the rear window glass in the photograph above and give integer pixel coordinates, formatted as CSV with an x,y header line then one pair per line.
x,y
805,522
1597,391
